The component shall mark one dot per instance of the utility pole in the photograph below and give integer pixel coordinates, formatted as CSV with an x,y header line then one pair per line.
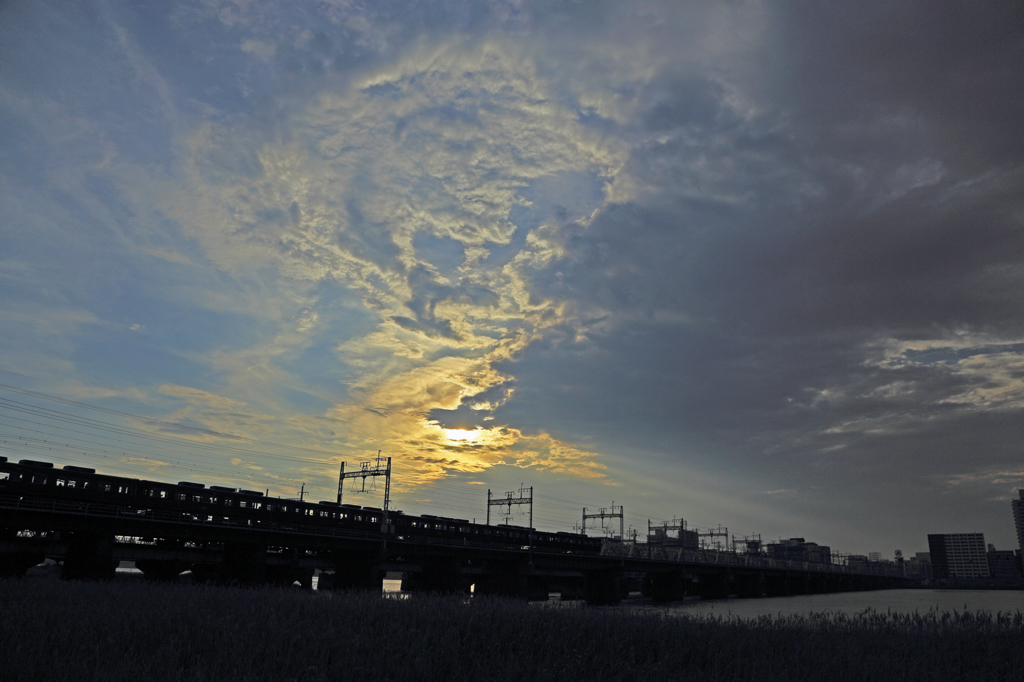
x,y
603,514
712,533
371,470
525,496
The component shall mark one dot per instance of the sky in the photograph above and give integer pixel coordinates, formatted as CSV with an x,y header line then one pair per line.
x,y
757,265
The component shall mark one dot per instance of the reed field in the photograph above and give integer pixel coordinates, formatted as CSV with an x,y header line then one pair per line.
x,y
132,631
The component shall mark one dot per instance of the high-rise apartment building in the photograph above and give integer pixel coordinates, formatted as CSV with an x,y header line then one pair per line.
x,y
958,555
1018,518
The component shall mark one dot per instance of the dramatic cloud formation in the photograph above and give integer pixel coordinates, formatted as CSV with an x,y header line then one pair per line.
x,y
757,264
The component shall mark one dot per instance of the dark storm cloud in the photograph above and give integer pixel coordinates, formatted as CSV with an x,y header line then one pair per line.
x,y
869,192
955,65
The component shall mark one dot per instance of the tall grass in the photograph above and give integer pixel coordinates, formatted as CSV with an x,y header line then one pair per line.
x,y
52,630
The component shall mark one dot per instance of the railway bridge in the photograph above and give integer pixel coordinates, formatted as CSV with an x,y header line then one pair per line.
x,y
91,540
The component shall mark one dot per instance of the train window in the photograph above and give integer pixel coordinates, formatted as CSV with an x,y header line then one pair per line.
x,y
228,502
39,480
270,507
257,505
61,483
213,500
123,490
197,498
71,483
4,476
85,484
180,497
241,504
106,488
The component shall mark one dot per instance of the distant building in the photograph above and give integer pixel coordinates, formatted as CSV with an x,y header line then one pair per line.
x,y
917,568
660,536
1002,563
797,549
1018,518
874,556
958,555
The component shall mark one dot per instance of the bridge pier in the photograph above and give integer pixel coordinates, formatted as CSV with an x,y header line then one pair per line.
x,y
605,586
799,583
776,585
570,588
443,575
15,560
287,575
504,578
714,586
665,585
17,565
166,570
750,584
89,556
840,583
537,587
354,571
245,563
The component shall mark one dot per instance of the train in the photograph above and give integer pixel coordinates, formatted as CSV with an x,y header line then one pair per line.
x,y
187,501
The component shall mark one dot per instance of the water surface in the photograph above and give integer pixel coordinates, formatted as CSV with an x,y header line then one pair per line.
x,y
897,601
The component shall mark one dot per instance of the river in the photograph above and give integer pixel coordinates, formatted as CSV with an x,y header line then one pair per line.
x,y
900,601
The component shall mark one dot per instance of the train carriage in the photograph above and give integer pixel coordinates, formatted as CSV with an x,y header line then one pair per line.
x,y
193,501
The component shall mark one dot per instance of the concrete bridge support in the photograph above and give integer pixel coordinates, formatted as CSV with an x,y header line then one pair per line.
x,y
665,586
354,571
776,585
442,575
504,578
245,563
837,583
799,583
90,556
537,587
749,584
166,570
286,575
16,564
714,586
605,586
570,588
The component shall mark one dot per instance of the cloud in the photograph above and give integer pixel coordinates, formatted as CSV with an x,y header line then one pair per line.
x,y
758,245
445,144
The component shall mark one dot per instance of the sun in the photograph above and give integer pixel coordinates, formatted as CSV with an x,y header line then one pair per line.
x,y
461,434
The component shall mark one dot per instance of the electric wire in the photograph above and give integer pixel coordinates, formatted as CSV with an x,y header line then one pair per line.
x,y
156,447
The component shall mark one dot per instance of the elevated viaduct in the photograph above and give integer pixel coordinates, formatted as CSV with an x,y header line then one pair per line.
x,y
91,541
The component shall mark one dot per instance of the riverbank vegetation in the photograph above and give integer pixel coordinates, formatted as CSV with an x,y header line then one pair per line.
x,y
54,630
